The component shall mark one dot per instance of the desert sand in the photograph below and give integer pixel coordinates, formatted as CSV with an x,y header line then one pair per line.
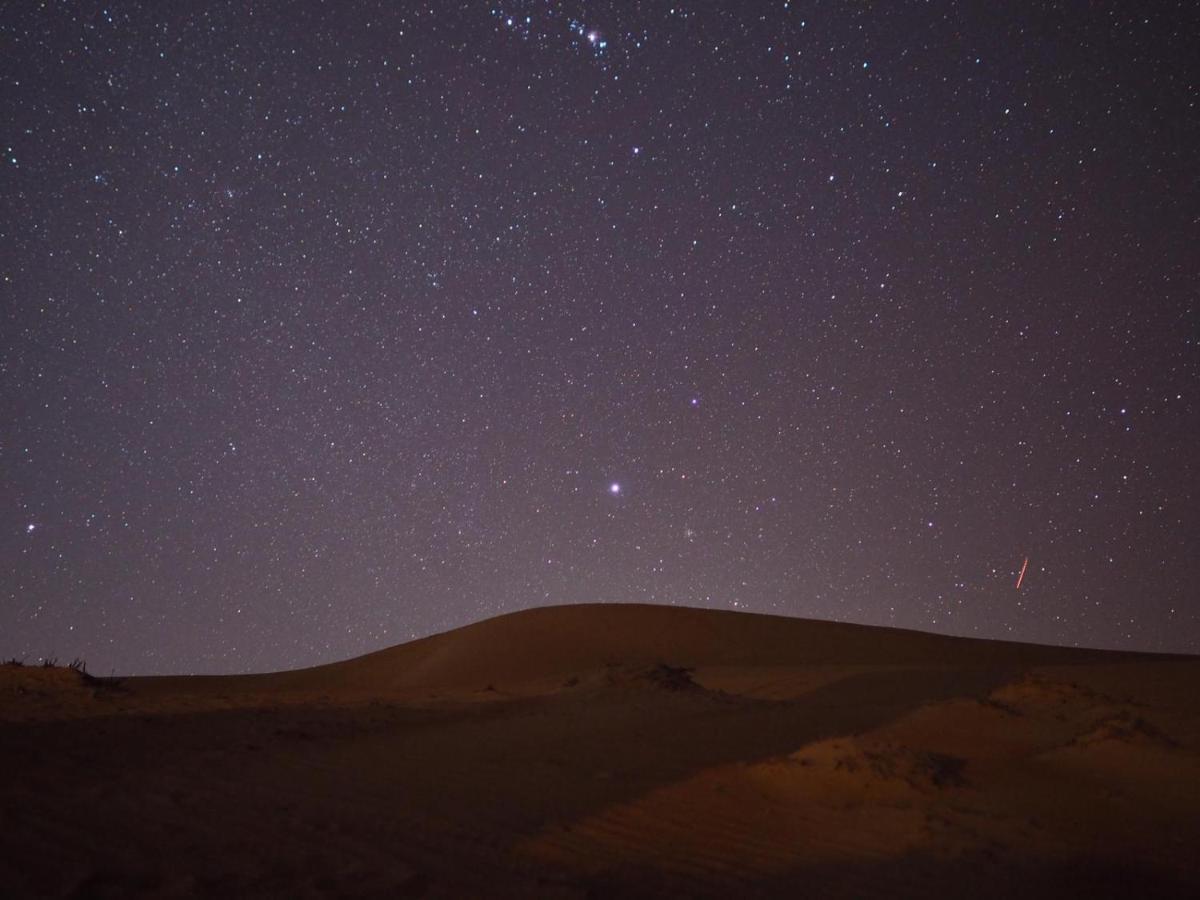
x,y
615,751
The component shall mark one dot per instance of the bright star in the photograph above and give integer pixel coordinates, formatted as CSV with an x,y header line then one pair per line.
x,y
614,488
29,529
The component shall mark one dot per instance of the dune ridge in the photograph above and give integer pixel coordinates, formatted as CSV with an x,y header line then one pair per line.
x,y
549,644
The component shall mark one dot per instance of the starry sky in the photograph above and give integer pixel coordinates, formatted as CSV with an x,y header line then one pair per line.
x,y
330,325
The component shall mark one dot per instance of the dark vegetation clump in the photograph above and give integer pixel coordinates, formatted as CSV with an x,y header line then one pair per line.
x,y
93,681
942,769
1006,708
78,666
1125,727
672,678
918,768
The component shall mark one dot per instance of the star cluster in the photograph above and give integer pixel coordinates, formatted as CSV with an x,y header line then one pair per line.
x,y
330,325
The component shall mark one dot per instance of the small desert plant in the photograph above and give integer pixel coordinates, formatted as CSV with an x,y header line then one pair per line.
x,y
49,662
942,769
94,681
17,663
673,678
1124,727
1006,708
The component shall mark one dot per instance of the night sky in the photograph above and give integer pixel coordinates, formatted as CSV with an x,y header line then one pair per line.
x,y
330,325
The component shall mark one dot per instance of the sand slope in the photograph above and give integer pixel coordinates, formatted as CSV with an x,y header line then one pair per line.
x,y
598,751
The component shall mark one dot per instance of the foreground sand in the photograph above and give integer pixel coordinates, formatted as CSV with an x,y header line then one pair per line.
x,y
566,752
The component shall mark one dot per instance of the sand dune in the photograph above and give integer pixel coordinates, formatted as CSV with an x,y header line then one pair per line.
x,y
597,751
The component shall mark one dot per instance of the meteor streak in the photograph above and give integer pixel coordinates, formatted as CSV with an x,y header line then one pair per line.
x,y
1021,577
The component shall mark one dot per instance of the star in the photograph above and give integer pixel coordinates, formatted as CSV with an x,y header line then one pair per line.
x,y
420,313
